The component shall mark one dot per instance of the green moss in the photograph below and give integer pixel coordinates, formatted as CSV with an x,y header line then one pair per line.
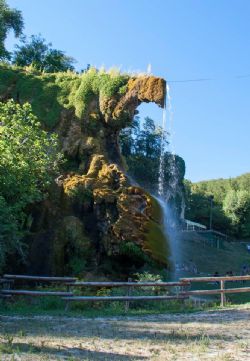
x,y
156,240
80,194
39,90
49,94
157,214
7,79
157,243
133,251
71,247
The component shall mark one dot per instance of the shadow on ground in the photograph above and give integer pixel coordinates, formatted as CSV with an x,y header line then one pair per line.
x,y
29,351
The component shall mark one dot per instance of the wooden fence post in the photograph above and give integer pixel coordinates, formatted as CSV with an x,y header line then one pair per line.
x,y
222,295
67,303
128,294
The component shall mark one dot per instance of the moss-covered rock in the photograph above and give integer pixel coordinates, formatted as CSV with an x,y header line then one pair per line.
x,y
96,208
70,243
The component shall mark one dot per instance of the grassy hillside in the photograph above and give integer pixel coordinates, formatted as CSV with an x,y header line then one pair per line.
x,y
208,259
231,256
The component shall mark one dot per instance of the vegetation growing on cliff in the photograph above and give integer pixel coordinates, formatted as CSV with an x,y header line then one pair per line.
x,y
29,162
50,93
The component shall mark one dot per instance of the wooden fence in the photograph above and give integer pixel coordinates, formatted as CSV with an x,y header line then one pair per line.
x,y
221,281
9,283
181,291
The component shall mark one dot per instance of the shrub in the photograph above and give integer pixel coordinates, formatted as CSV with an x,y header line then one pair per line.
x,y
28,164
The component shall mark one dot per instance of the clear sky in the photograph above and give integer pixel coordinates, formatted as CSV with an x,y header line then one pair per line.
x,y
182,40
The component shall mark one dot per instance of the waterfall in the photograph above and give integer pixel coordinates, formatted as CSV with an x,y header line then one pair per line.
x,y
163,148
167,146
183,207
166,197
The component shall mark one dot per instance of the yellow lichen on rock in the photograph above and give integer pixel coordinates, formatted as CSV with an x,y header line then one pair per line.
x,y
148,89
73,182
123,213
95,200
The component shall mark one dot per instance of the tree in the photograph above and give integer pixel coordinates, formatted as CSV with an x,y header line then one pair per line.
x,y
237,207
10,19
41,56
231,210
28,164
141,147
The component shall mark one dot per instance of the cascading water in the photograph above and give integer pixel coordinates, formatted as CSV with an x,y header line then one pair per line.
x,y
162,153
166,195
167,146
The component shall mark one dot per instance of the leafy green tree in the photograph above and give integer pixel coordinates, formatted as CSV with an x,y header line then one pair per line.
x,y
28,164
10,19
141,147
10,235
41,56
237,206
230,209
198,210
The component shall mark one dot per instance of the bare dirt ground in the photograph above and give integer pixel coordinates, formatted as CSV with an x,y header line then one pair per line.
x,y
222,335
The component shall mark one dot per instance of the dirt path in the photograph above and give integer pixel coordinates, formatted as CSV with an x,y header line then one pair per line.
x,y
215,335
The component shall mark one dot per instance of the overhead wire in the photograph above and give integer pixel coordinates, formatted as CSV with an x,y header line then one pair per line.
x,y
207,79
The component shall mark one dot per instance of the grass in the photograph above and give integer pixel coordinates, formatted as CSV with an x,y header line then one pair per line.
x,y
53,306
198,336
230,257
210,259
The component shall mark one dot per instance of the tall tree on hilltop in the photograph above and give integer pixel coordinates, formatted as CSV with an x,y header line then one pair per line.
x,y
41,56
10,19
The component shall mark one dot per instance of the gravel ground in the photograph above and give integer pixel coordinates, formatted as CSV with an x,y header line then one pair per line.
x,y
211,335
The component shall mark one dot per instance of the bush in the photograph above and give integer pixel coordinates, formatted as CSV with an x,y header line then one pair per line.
x,y
28,164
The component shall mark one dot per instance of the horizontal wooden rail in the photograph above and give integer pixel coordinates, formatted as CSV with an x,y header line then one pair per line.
x,y
35,293
218,291
123,298
128,284
4,281
71,283
40,278
221,280
216,279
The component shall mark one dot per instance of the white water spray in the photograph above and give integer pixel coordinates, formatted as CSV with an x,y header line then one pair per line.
x,y
167,146
167,196
163,148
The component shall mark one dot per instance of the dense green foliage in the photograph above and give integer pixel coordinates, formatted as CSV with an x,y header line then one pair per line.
x,y
49,93
29,162
141,147
231,204
10,19
41,56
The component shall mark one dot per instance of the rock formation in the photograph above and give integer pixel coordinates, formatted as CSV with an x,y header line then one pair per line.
x,y
93,214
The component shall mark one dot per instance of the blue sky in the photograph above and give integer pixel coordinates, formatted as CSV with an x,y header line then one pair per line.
x,y
182,40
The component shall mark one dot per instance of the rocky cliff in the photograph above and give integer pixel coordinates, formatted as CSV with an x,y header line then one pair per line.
x,y
93,217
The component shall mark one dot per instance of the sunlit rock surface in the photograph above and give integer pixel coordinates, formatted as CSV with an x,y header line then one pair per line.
x,y
92,213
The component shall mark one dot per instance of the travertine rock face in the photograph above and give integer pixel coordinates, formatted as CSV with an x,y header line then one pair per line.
x,y
123,213
93,212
